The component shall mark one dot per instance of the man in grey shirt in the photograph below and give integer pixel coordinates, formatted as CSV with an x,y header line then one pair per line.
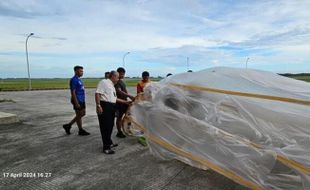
x,y
121,93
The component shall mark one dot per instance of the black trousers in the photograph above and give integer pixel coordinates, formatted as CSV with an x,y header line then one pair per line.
x,y
106,123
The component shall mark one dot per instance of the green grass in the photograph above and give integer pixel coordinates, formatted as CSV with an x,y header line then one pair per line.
x,y
46,84
304,78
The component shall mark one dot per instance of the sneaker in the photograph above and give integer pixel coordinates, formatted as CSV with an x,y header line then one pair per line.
x,y
67,128
113,145
82,132
108,151
120,134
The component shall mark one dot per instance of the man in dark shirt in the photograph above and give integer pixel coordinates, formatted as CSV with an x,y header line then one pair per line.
x,y
78,101
121,93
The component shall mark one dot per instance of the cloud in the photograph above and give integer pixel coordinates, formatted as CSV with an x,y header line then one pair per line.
x,y
25,9
59,38
159,33
296,36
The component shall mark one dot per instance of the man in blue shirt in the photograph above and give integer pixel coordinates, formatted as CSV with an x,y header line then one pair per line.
x,y
78,101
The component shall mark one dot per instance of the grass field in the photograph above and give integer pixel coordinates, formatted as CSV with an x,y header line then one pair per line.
x,y
304,78
46,84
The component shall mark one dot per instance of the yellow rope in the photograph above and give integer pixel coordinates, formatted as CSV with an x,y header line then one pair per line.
x,y
236,93
293,164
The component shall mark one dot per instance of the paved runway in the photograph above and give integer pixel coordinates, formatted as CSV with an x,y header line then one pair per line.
x,y
53,160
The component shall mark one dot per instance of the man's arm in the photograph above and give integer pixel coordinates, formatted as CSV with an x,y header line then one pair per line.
x,y
118,100
122,93
98,106
139,89
74,98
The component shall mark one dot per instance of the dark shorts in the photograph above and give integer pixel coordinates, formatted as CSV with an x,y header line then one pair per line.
x,y
82,106
121,110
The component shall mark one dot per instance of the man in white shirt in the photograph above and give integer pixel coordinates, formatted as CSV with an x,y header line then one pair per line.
x,y
106,99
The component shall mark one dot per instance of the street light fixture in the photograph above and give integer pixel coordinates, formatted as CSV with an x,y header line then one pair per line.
x,y
29,80
246,63
124,58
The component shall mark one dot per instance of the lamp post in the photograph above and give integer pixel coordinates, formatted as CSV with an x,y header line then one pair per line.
x,y
246,63
124,58
29,80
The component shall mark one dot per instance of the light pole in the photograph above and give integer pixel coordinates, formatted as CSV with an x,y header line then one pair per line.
x,y
29,80
246,63
124,58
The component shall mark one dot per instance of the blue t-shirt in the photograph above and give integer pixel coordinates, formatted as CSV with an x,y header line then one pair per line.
x,y
77,85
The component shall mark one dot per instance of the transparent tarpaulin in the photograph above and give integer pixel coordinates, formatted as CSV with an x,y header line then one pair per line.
x,y
248,125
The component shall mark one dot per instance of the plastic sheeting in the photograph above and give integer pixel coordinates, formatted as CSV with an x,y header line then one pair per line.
x,y
248,125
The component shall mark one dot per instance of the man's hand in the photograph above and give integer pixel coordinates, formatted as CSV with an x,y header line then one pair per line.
x,y
78,106
99,109
132,98
129,102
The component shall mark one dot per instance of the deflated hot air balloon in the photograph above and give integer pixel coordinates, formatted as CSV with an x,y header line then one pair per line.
x,y
248,125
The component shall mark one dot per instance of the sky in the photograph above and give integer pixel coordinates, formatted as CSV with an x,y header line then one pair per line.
x,y
159,34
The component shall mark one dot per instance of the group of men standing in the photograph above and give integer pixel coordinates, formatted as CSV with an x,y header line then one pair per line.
x,y
112,100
